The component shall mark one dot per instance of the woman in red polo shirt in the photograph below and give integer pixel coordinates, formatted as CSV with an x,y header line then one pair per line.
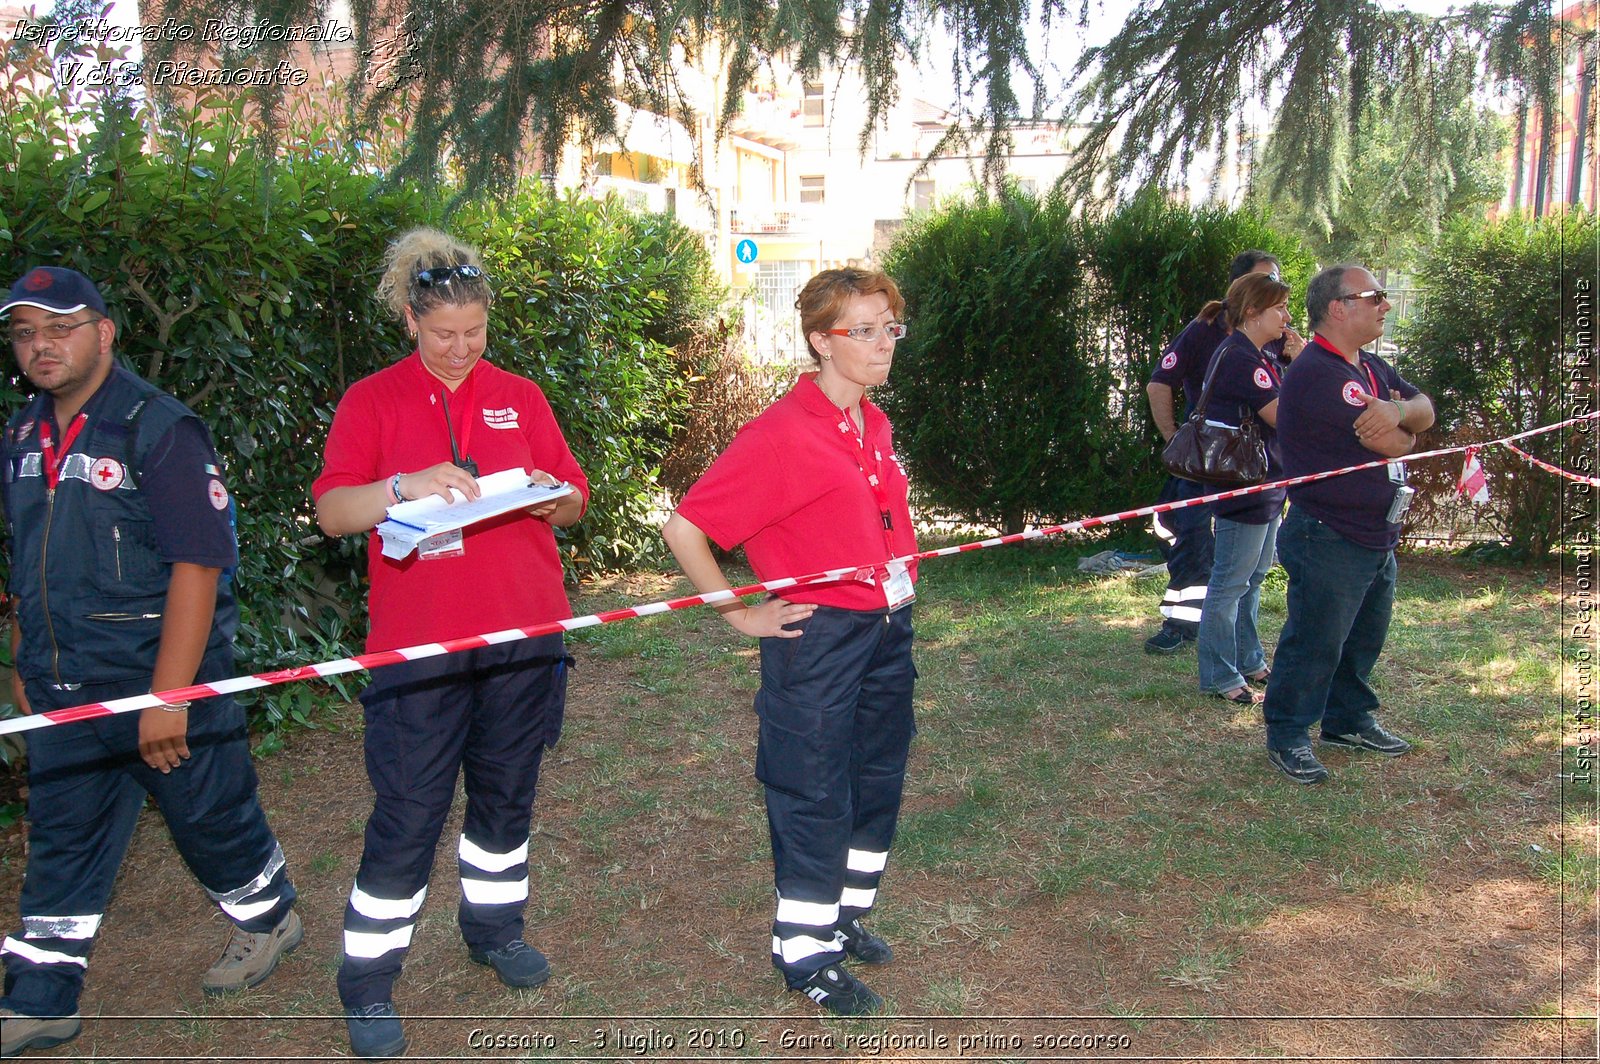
x,y
812,484
429,423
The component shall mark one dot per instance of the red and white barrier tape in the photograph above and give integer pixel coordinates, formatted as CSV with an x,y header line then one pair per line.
x,y
1557,470
373,660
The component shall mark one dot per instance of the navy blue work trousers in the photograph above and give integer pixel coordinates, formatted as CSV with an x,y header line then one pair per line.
x,y
484,714
1187,544
86,787
836,723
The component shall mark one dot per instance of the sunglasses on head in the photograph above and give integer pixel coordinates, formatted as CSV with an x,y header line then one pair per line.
x,y
439,276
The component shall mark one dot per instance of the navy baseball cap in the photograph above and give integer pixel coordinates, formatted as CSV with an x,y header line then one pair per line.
x,y
55,289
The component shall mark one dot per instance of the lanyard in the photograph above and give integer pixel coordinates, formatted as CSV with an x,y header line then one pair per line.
x,y
461,453
874,482
47,442
1372,377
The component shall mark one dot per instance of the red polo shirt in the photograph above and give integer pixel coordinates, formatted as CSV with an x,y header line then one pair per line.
x,y
509,574
793,488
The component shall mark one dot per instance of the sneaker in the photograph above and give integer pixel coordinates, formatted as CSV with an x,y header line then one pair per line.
x,y
1298,763
1168,640
1374,738
249,958
863,945
840,992
516,963
375,1030
19,1032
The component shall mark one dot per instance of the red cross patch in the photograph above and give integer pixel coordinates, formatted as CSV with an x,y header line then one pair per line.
x,y
217,494
106,474
1352,393
1261,378
1169,360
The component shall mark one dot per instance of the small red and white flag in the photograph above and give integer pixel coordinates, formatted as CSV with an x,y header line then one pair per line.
x,y
1473,484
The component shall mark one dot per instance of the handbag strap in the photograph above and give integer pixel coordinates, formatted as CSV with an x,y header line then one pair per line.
x,y
1211,374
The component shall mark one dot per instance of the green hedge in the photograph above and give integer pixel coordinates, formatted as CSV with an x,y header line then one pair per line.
x,y
1019,392
1494,346
996,381
244,286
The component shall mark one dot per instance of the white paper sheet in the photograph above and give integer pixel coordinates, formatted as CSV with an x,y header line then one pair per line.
x,y
409,523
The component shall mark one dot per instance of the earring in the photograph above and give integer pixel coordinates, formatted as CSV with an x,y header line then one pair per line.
x,y
827,358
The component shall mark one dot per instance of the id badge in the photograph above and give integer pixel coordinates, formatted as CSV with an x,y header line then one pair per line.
x,y
1397,472
444,545
897,586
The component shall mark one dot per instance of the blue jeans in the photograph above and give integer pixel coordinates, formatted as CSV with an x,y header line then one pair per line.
x,y
1340,599
1229,646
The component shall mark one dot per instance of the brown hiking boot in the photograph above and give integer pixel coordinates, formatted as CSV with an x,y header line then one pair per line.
x,y
248,958
19,1032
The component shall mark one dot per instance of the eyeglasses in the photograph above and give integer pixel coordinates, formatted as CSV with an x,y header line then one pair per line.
x,y
439,276
56,330
895,330
1377,295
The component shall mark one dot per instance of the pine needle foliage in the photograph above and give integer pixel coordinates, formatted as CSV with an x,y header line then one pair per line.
x,y
1175,81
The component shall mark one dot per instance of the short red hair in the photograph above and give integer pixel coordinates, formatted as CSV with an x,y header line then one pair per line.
x,y
824,297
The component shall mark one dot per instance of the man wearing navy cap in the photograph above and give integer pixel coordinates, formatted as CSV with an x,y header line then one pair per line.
x,y
1339,406
122,551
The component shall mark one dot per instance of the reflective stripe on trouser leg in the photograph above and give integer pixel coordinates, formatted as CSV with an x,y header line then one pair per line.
x,y
376,926
519,707
213,811
862,871
835,724
83,804
417,715
260,901
804,934
494,888
1188,545
54,940
1184,604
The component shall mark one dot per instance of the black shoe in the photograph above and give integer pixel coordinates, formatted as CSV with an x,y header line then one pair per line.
x,y
1373,738
1169,640
516,963
375,1030
840,992
863,945
1298,763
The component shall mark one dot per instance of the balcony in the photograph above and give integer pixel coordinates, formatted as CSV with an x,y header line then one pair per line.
x,y
682,203
775,218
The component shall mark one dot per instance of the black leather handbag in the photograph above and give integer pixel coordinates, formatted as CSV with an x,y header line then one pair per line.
x,y
1212,452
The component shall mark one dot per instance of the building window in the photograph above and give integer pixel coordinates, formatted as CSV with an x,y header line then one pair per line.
x,y
811,189
922,194
811,105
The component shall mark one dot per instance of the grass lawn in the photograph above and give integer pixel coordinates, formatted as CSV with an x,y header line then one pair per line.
x,y
1094,860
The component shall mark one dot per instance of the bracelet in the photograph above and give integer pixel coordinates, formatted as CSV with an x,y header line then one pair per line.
x,y
173,707
394,489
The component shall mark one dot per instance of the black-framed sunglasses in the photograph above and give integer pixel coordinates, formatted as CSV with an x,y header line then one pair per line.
x,y
1377,295
439,276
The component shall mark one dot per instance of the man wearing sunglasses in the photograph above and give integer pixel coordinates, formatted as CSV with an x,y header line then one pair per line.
x,y
121,549
1339,406
1186,535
